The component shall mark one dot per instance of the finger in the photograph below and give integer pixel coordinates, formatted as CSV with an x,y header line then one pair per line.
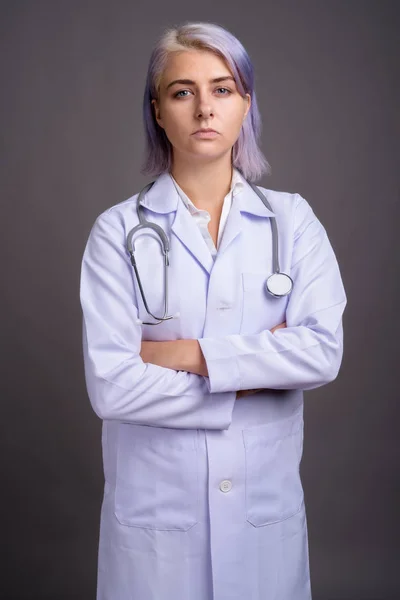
x,y
278,326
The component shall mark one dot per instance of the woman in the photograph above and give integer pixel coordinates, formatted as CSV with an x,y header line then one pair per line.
x,y
203,412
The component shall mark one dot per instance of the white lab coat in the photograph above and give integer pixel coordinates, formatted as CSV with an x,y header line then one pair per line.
x,y
203,498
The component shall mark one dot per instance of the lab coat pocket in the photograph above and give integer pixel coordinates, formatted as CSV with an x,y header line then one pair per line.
x,y
157,477
260,310
273,453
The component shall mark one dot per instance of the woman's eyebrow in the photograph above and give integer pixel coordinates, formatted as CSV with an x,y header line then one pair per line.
x,y
190,82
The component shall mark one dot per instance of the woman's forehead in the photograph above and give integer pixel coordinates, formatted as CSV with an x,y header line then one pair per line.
x,y
192,64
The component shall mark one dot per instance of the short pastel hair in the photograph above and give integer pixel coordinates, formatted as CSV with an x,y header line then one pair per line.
x,y
246,154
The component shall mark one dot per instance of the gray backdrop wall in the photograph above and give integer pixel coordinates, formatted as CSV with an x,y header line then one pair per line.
x,y
72,78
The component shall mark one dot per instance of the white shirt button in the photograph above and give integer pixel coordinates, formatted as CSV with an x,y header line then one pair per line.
x,y
225,485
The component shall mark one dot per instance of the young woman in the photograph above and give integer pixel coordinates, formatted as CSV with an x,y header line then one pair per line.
x,y
199,340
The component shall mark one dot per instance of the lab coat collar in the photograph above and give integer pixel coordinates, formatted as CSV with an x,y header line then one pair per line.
x,y
249,202
163,197
187,231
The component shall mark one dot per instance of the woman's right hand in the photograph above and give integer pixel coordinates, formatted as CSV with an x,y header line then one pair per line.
x,y
241,393
278,327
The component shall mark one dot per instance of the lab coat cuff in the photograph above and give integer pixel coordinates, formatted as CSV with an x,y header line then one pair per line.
x,y
218,410
222,365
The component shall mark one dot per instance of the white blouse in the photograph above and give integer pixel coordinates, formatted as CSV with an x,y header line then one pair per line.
x,y
202,217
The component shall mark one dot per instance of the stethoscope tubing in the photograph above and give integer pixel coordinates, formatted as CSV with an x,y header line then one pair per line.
x,y
165,247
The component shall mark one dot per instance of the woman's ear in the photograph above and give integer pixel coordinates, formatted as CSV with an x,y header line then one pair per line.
x,y
157,114
248,97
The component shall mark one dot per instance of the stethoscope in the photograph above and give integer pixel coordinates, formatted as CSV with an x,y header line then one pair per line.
x,y
278,284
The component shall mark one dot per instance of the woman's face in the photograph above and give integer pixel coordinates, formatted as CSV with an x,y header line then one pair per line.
x,y
198,103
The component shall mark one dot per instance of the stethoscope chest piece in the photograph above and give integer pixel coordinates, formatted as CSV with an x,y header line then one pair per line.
x,y
279,284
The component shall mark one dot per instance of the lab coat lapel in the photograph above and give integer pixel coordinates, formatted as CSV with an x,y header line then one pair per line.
x,y
185,228
187,231
164,198
233,226
245,201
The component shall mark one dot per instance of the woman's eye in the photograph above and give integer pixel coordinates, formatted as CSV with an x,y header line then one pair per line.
x,y
181,92
177,95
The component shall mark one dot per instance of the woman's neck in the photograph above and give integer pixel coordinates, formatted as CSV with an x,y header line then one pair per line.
x,y
206,185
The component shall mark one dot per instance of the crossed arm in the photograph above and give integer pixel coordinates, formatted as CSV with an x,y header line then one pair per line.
x,y
183,355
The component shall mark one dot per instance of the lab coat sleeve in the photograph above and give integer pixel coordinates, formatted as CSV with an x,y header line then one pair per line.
x,y
119,384
308,352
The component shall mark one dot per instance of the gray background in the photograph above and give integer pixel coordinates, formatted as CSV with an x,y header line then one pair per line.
x,y
72,78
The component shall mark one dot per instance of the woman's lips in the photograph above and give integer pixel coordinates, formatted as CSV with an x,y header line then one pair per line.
x,y
205,134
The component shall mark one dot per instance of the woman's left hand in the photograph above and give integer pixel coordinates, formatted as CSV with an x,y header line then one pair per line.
x,y
242,393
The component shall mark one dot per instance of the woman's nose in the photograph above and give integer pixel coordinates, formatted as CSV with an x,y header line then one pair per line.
x,y
204,112
204,108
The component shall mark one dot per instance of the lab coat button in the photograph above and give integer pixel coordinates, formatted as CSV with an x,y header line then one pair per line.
x,y
225,486
224,306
